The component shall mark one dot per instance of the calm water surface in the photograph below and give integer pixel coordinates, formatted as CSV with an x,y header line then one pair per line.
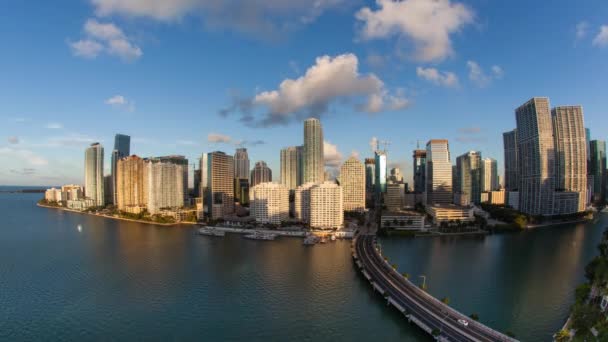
x,y
130,281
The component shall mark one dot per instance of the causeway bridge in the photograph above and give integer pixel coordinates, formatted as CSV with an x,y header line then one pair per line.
x,y
431,315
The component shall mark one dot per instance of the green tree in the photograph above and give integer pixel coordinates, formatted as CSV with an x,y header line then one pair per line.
x,y
474,317
406,275
562,336
446,300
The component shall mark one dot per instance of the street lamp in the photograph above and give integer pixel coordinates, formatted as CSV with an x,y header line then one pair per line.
x,y
423,281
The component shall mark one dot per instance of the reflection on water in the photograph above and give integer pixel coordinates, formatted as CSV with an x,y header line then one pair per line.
x,y
520,282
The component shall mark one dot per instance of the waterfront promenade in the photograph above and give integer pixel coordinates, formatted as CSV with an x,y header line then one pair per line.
x,y
430,314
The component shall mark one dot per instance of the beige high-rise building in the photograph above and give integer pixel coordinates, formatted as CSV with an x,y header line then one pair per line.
x,y
352,180
314,163
131,182
291,167
218,183
571,152
165,185
302,202
326,206
93,174
269,203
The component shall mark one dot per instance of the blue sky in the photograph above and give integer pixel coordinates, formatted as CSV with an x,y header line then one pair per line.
x,y
74,72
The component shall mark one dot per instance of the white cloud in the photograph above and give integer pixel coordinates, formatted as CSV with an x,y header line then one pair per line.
x,y
70,140
581,30
443,78
373,144
333,157
54,125
24,155
13,140
601,39
105,38
355,154
330,79
482,79
427,23
119,101
218,138
263,18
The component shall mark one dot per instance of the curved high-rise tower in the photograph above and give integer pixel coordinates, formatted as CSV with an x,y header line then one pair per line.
x,y
314,164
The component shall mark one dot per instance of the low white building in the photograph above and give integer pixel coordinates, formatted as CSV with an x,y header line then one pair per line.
x,y
81,204
269,203
497,197
55,195
402,220
326,206
450,212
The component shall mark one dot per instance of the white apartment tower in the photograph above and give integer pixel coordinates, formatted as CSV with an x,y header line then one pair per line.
x,y
352,181
326,206
165,185
93,174
269,203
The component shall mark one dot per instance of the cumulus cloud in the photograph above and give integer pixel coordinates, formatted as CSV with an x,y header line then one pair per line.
x,y
355,154
480,78
24,155
373,144
329,80
218,138
333,157
54,125
105,38
13,140
119,101
601,39
581,30
442,78
428,24
262,18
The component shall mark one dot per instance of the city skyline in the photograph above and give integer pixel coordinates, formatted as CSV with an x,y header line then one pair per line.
x,y
481,78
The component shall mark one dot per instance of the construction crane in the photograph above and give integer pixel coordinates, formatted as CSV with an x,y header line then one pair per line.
x,y
385,144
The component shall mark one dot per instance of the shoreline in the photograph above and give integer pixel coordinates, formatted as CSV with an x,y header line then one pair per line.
x,y
541,225
118,218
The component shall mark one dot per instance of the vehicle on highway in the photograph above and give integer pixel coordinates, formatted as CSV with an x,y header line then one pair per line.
x,y
463,322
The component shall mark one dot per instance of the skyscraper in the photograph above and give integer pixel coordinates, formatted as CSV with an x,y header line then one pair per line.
x,y
419,171
511,168
165,181
218,183
536,157
570,151
182,163
122,148
468,177
131,183
370,174
93,174
314,163
326,206
598,169
352,181
241,164
438,172
291,167
261,173
380,173
395,176
489,178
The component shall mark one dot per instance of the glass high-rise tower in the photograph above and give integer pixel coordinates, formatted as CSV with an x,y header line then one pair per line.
x,y
93,174
314,163
122,148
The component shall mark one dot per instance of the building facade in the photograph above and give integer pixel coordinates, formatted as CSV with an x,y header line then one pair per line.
x,y
292,166
122,148
326,206
269,203
468,178
536,153
380,173
597,169
302,202
313,159
352,181
261,173
218,184
241,164
489,178
570,152
131,183
438,172
93,174
511,169
419,171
